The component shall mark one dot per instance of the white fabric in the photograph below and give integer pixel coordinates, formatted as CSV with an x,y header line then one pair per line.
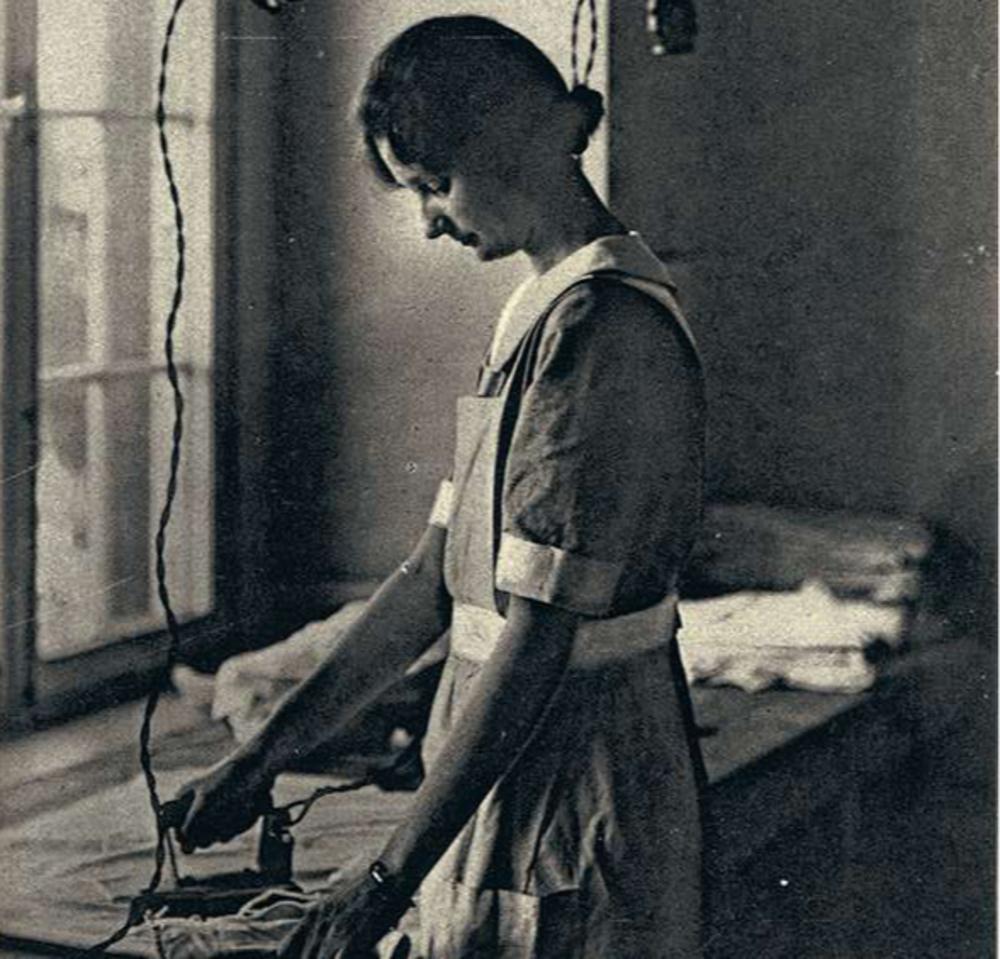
x,y
476,631
807,639
625,253
249,686
550,575
444,505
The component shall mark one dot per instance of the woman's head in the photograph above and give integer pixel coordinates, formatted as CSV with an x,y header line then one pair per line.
x,y
466,102
451,86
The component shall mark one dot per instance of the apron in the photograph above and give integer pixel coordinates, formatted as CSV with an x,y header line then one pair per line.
x,y
589,847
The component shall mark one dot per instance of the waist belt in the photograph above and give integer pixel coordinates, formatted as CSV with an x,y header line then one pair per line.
x,y
475,633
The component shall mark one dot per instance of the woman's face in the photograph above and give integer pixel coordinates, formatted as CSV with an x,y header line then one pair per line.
x,y
479,209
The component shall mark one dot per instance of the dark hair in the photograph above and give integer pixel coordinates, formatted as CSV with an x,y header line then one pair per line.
x,y
436,86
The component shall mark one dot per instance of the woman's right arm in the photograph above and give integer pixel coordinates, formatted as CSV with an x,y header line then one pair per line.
x,y
408,612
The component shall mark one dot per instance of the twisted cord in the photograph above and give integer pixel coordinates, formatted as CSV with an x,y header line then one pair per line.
x,y
304,805
578,79
173,626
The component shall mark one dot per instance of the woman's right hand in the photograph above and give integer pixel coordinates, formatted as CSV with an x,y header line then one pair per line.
x,y
224,802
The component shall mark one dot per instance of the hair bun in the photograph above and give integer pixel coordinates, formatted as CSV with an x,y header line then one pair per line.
x,y
590,106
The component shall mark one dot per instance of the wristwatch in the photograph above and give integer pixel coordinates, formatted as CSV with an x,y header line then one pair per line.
x,y
387,887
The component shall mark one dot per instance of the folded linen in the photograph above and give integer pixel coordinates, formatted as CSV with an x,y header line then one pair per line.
x,y
806,639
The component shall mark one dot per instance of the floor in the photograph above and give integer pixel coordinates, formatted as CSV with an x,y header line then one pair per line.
x,y
922,879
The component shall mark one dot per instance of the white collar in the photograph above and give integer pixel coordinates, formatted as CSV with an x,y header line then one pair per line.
x,y
622,253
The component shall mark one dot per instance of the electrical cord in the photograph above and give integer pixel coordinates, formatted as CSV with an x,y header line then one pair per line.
x,y
578,79
164,845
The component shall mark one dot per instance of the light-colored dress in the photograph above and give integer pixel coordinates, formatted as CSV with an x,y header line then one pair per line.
x,y
577,484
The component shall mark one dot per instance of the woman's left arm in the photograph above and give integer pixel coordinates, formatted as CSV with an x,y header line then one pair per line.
x,y
510,696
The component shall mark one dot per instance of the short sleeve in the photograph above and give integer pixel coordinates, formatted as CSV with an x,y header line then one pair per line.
x,y
605,453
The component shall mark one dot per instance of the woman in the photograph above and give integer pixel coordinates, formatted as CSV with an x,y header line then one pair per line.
x,y
560,812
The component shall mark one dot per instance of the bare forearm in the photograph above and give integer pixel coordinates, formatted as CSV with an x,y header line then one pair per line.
x,y
402,619
511,695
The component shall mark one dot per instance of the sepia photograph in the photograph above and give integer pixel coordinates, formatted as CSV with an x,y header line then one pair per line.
x,y
498,479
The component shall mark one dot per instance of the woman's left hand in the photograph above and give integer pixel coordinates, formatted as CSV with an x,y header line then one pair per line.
x,y
347,923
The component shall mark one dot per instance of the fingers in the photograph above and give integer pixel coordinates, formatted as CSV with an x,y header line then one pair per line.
x,y
292,945
174,812
318,944
205,826
188,832
301,942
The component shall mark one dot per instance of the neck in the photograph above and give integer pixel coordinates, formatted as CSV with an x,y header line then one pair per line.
x,y
570,218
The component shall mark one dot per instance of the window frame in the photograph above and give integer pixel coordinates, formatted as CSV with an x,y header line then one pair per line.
x,y
33,691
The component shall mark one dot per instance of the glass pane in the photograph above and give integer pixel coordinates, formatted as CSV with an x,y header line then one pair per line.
x,y
126,412
104,57
64,313
105,449
74,214
69,602
191,153
106,274
190,539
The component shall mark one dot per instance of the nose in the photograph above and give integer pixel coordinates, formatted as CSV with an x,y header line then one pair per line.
x,y
436,226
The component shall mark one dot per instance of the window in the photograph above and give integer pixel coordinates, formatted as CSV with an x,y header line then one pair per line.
x,y
87,412
106,266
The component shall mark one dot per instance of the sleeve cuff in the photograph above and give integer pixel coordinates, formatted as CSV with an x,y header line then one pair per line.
x,y
444,503
552,575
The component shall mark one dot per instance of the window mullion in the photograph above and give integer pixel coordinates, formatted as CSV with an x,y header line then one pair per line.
x,y
18,343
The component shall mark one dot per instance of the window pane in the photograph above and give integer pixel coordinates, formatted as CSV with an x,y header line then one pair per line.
x,y
69,601
74,214
127,482
104,57
107,263
64,313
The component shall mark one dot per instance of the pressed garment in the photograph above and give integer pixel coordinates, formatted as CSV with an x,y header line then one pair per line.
x,y
575,485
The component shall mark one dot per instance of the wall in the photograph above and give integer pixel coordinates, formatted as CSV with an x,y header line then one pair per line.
x,y
950,349
380,330
823,187
823,181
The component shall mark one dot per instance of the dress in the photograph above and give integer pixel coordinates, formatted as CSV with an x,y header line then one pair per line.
x,y
574,485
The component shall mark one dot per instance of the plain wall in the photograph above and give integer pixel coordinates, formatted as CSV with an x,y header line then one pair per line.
x,y
822,179
380,330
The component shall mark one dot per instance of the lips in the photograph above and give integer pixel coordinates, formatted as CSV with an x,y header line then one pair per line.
x,y
469,239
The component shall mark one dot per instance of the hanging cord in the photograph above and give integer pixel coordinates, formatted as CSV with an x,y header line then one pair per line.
x,y
164,845
578,79
173,627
